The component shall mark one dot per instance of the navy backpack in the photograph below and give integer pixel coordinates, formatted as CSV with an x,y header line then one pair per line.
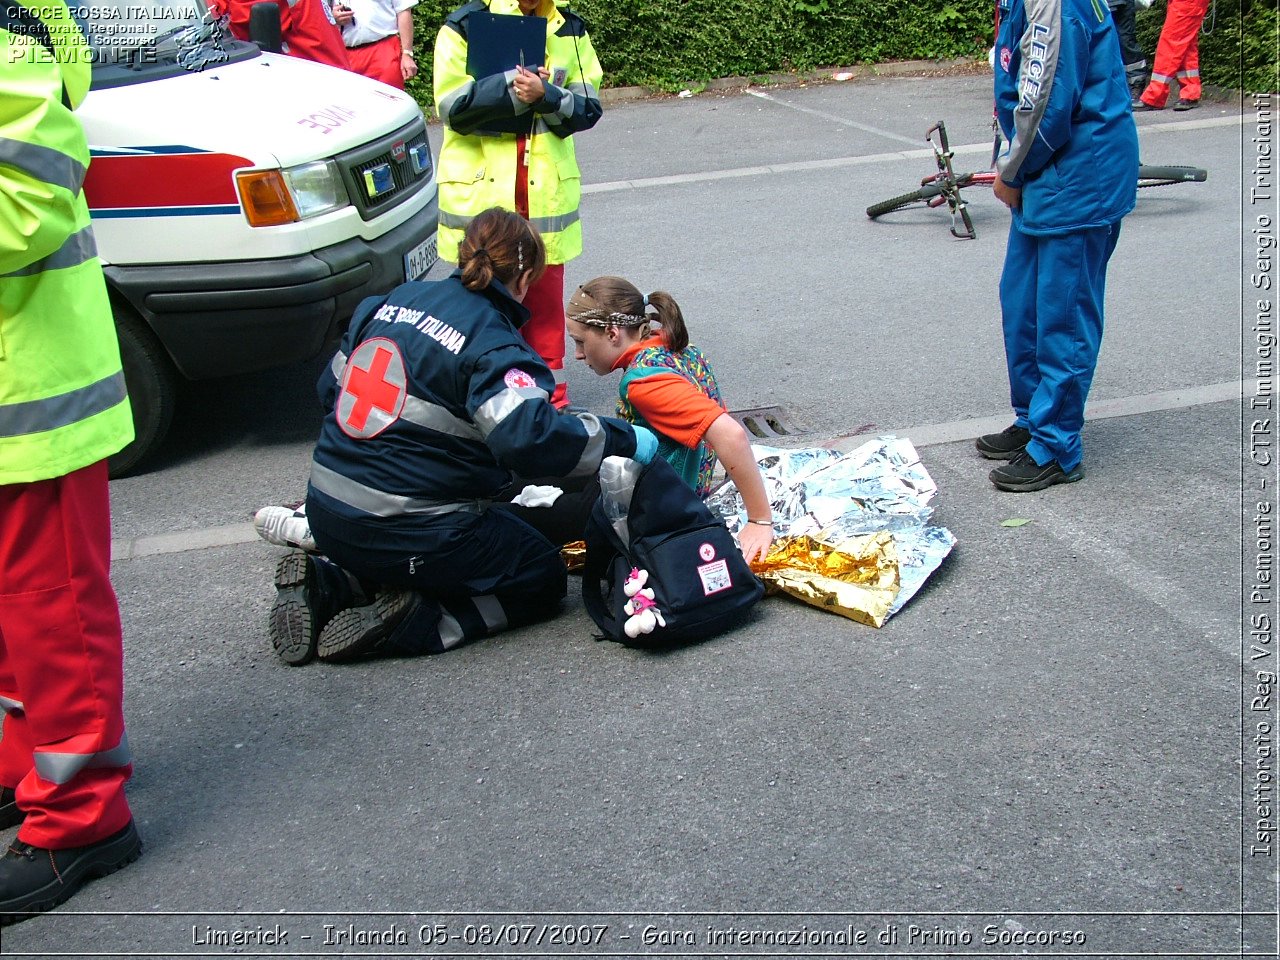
x,y
660,568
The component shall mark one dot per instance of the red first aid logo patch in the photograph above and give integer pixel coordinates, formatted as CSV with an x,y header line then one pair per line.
x,y
517,379
707,552
1006,57
373,389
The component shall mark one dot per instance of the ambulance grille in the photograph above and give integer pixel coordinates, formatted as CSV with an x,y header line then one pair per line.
x,y
406,181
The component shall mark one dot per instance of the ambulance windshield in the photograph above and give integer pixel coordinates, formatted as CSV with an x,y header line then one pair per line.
x,y
116,28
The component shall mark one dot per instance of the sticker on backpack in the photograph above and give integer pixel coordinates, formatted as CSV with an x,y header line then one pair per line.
x,y
715,577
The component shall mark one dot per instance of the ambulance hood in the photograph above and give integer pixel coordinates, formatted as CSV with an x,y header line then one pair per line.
x,y
269,109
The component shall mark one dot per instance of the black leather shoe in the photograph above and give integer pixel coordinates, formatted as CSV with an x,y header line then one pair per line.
x,y
33,879
1139,105
1186,105
1005,445
1023,474
10,815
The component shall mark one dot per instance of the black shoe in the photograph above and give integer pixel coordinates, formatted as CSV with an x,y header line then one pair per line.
x,y
1005,445
1139,105
10,815
309,591
33,879
1023,474
357,631
1183,104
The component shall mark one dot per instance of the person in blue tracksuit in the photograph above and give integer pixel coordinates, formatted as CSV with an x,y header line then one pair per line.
x,y
435,403
1069,175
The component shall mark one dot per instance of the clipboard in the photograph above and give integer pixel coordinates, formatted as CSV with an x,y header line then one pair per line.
x,y
496,42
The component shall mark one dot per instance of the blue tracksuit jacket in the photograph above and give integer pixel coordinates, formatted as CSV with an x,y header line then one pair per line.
x,y
1063,105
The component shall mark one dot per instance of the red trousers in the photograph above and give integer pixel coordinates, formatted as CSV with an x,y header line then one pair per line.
x,y
1177,53
545,330
61,677
379,60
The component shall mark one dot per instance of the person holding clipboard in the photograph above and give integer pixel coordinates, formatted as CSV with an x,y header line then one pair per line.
x,y
514,80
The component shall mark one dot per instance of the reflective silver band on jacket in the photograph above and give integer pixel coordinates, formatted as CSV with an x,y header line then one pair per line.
x,y
75,250
501,405
379,503
61,767
43,163
459,221
11,706
49,413
453,96
593,453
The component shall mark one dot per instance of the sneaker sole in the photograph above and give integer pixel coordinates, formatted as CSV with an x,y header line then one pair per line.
x,y
1030,486
357,630
292,634
126,849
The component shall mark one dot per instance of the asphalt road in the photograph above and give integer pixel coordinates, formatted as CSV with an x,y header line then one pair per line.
x,y
1043,753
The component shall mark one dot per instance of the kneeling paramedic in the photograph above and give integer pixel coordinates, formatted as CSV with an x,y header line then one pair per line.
x,y
435,404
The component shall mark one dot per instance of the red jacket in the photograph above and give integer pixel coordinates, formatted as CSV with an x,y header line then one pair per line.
x,y
307,28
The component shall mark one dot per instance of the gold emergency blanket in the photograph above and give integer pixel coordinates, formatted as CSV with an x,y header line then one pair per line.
x,y
852,532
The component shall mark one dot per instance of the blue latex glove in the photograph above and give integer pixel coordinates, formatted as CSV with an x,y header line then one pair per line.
x,y
646,444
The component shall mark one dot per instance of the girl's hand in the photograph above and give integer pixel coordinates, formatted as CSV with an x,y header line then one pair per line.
x,y
754,540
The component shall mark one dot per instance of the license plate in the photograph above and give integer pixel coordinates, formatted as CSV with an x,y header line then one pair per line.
x,y
419,260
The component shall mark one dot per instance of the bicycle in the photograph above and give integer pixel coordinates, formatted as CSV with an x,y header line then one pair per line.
x,y
945,185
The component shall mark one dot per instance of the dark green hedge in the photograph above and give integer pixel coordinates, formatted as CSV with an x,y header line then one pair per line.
x,y
671,44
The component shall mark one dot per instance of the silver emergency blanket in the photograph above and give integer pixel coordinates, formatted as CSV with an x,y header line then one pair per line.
x,y
852,532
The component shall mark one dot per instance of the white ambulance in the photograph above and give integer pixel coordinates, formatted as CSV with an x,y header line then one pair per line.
x,y
243,202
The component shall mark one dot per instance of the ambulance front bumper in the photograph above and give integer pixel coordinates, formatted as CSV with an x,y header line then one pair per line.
x,y
220,319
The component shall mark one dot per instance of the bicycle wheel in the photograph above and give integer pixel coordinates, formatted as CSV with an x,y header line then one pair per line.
x,y
927,192
1159,176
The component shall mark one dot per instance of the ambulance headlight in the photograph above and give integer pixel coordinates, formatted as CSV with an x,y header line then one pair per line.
x,y
316,188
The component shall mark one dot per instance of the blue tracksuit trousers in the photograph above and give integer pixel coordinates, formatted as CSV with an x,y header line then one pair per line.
x,y
1051,294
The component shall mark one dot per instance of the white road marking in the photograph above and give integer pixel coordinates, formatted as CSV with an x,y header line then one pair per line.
x,y
232,534
845,121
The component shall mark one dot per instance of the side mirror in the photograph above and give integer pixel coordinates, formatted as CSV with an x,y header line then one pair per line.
x,y
264,26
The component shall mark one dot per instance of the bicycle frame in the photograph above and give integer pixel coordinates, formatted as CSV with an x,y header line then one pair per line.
x,y
949,184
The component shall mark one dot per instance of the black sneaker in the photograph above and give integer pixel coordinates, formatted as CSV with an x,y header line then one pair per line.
x,y
1184,104
357,631
1023,475
10,815
33,879
1005,445
309,591
1139,105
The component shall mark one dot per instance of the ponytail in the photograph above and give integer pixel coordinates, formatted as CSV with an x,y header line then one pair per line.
x,y
674,333
500,245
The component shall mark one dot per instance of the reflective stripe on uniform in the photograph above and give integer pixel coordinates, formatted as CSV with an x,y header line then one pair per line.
x,y
459,221
11,706
43,163
450,631
435,417
379,503
495,618
1187,73
337,365
78,248
61,767
501,405
449,99
49,413
1160,78
593,452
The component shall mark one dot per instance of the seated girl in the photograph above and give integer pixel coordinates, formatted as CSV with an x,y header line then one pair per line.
x,y
667,385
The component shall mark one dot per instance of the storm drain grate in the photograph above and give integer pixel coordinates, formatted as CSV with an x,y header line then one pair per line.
x,y
765,423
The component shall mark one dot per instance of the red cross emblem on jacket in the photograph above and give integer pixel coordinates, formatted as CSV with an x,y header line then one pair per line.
x,y
373,389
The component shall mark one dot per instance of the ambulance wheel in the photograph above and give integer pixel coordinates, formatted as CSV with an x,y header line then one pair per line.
x,y
150,379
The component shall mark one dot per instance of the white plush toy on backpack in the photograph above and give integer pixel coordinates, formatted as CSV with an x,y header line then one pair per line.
x,y
643,615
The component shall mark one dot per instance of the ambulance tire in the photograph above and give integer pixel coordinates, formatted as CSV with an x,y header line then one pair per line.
x,y
151,381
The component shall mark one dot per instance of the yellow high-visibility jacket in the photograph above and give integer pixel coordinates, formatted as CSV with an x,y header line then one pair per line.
x,y
62,395
482,118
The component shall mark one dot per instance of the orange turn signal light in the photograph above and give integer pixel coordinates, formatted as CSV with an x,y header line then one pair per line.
x,y
265,198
